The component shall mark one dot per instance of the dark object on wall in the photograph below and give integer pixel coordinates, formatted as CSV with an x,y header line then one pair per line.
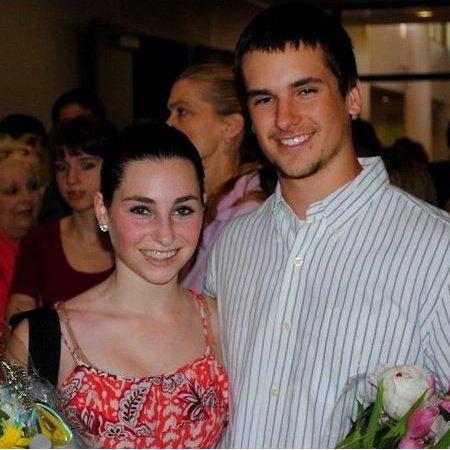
x,y
157,64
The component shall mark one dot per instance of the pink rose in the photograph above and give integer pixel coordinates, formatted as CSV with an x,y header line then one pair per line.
x,y
420,421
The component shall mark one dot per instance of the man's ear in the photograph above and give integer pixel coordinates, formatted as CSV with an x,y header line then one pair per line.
x,y
354,100
100,210
233,125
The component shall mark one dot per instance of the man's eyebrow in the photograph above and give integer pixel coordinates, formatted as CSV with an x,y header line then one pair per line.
x,y
305,81
258,92
298,83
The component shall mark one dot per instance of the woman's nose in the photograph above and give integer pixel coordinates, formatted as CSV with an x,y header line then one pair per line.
x,y
164,233
72,175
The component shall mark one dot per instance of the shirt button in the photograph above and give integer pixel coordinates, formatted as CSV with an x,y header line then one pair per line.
x,y
298,261
287,326
274,392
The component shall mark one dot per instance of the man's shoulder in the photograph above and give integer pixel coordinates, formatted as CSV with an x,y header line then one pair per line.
x,y
422,212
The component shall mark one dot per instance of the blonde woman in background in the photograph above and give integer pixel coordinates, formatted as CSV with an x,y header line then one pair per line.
x,y
19,201
204,104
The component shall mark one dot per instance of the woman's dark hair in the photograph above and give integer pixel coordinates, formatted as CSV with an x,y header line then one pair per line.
x,y
296,23
82,134
146,140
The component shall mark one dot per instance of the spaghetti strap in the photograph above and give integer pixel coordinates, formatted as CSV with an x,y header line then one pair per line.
x,y
204,314
77,354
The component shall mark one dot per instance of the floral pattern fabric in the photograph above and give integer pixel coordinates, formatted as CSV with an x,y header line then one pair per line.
x,y
184,409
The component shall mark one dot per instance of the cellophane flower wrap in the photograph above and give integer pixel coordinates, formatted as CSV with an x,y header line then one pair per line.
x,y
393,407
30,413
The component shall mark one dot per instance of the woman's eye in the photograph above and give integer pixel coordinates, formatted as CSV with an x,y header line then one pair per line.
x,y
183,211
33,185
10,190
140,210
182,112
60,166
88,165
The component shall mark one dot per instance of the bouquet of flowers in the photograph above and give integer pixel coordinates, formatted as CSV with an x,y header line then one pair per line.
x,y
397,407
29,416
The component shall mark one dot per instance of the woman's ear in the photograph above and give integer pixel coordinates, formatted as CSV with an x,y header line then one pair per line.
x,y
101,212
233,125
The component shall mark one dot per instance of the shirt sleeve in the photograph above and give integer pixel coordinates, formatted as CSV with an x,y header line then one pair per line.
x,y
26,271
210,284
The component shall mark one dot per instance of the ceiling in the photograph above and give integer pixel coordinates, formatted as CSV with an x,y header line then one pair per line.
x,y
381,11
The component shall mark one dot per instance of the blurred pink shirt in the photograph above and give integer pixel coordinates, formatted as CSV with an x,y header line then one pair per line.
x,y
225,212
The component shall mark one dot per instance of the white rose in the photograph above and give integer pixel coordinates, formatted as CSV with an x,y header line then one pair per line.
x,y
403,385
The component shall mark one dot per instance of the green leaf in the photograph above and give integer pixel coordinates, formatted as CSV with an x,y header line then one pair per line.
x,y
444,442
399,429
374,419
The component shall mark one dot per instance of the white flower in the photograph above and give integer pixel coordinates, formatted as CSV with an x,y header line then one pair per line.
x,y
403,385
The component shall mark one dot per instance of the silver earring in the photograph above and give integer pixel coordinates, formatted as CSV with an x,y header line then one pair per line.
x,y
103,227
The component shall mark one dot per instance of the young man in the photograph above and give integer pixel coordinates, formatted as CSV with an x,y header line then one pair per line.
x,y
337,272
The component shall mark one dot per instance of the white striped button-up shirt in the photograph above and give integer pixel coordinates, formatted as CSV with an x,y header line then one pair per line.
x,y
306,304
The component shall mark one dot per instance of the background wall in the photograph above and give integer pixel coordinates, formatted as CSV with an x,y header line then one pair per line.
x,y
50,46
44,43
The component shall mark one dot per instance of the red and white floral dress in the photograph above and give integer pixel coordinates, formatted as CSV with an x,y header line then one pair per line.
x,y
184,409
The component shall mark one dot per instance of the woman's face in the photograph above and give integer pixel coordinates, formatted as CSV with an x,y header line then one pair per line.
x,y
78,178
19,199
155,218
195,117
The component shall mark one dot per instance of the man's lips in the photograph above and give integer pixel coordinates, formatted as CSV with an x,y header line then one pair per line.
x,y
295,140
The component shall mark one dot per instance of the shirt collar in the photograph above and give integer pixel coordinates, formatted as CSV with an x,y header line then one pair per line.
x,y
341,205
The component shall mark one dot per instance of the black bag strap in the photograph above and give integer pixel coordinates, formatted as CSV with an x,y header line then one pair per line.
x,y
44,341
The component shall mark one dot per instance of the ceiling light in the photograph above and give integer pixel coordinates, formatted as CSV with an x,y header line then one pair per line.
x,y
424,14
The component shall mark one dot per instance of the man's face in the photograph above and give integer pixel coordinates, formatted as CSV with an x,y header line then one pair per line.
x,y
299,115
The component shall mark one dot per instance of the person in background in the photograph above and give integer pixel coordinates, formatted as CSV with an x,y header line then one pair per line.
x,y
70,105
365,139
75,103
440,173
204,105
407,165
58,260
336,273
19,200
28,130
137,359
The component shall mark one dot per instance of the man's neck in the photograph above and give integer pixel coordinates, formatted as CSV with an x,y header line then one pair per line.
x,y
301,193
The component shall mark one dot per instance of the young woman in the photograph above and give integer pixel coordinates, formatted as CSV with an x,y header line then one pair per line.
x,y
139,364
204,105
61,259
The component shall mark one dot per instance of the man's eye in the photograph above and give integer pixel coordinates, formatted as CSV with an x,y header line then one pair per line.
x,y
183,211
307,91
140,210
261,100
